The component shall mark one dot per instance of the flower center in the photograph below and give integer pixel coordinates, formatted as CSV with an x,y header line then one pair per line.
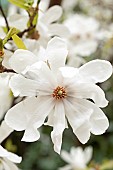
x,y
59,93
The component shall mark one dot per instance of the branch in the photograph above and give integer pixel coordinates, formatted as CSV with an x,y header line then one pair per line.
x,y
55,2
3,14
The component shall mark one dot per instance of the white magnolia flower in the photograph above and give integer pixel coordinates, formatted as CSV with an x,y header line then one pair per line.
x,y
83,38
46,26
59,93
6,96
77,159
7,159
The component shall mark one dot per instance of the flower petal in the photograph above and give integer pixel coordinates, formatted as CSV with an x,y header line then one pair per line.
x,y
98,120
96,71
8,165
56,53
22,86
77,112
51,15
88,91
58,30
18,21
5,131
14,158
21,59
83,132
67,167
88,152
3,152
31,134
58,127
44,107
18,116
66,156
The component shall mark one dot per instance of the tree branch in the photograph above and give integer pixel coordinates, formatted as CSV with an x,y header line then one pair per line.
x,y
3,14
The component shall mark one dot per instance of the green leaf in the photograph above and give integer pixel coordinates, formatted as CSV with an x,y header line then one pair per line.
x,y
20,3
19,43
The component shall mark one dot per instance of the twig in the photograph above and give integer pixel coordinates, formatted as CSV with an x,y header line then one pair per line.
x,y
3,14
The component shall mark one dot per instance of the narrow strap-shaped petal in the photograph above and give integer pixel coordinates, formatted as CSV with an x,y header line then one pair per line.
x,y
59,126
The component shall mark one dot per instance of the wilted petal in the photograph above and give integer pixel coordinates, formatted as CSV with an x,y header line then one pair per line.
x,y
51,15
58,127
21,59
56,53
96,71
18,116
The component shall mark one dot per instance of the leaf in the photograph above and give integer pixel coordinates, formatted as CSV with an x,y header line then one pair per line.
x,y
19,43
20,3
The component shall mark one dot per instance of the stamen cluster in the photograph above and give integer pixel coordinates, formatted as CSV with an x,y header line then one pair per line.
x,y
59,93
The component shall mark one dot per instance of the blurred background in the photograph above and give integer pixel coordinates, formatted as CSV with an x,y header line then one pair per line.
x,y
40,155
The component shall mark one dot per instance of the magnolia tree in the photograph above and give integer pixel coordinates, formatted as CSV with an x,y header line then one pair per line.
x,y
51,76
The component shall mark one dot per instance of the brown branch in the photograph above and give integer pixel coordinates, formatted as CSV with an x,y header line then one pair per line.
x,y
3,14
55,2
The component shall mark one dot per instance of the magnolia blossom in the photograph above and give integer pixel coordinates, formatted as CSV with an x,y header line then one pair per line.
x,y
46,26
58,93
6,96
7,159
83,34
77,158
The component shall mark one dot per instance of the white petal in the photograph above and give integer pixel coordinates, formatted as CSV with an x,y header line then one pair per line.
x,y
77,112
88,152
59,126
22,86
8,165
98,120
88,91
18,21
66,156
58,30
7,56
83,132
21,59
44,107
31,134
5,131
41,73
14,158
18,116
3,152
56,53
68,72
96,71
52,15
67,167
